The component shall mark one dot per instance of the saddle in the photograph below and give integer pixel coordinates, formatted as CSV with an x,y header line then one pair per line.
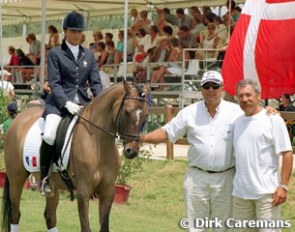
x,y
31,156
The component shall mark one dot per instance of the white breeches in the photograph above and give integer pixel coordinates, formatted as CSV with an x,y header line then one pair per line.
x,y
50,128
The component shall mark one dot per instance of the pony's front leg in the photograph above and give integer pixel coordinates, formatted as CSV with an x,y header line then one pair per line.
x,y
105,204
50,211
83,208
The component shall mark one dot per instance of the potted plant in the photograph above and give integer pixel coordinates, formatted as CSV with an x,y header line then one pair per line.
x,y
127,169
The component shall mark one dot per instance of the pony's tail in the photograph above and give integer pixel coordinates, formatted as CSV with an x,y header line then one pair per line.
x,y
6,208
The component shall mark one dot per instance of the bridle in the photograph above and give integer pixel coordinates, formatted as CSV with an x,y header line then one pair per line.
x,y
118,122
119,118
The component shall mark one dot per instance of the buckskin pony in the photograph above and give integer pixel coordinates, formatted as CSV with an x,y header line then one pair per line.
x,y
94,158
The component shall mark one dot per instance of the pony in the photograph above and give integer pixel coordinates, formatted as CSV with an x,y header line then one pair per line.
x,y
94,158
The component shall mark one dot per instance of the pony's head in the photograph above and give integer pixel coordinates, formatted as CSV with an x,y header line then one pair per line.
x,y
132,116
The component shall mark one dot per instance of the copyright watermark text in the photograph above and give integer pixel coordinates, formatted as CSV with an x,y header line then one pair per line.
x,y
186,223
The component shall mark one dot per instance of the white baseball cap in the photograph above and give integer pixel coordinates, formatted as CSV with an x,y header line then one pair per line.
x,y
212,76
5,72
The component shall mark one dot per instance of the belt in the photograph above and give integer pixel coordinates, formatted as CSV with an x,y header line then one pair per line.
x,y
209,171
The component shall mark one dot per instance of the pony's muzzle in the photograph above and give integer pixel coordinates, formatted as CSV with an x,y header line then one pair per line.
x,y
131,149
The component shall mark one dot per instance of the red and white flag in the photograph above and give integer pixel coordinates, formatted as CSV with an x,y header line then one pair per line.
x,y
262,48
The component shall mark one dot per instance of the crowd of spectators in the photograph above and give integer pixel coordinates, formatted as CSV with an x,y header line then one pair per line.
x,y
158,39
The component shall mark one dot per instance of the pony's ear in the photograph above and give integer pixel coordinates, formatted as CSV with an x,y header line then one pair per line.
x,y
126,86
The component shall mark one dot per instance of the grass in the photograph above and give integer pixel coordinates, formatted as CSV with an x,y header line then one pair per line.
x,y
155,204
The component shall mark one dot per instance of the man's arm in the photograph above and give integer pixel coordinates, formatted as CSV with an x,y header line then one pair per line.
x,y
280,195
287,166
157,136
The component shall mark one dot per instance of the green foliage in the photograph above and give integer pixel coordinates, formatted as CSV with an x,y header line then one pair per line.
x,y
3,112
129,167
3,106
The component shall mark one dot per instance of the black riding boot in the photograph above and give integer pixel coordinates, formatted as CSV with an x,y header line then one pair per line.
x,y
46,155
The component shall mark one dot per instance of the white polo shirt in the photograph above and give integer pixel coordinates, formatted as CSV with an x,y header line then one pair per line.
x,y
210,139
258,141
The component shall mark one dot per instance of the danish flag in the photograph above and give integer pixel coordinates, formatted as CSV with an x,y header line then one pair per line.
x,y
262,48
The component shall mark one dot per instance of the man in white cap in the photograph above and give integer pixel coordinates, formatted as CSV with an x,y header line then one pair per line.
x,y
208,125
6,85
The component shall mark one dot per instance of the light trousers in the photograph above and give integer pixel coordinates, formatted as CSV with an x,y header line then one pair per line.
x,y
208,195
261,209
50,128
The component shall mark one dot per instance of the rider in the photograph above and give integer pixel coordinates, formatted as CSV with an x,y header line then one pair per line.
x,y
71,68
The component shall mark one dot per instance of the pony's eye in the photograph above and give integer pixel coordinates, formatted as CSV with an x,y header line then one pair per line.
x,y
127,113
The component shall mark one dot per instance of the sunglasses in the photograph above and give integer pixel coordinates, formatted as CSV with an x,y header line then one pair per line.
x,y
207,86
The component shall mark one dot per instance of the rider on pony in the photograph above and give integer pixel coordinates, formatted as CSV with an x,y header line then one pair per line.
x,y
71,68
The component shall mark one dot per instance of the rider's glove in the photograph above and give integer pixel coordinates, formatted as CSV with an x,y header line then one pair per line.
x,y
72,107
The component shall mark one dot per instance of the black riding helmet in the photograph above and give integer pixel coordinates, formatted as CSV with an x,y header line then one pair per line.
x,y
74,21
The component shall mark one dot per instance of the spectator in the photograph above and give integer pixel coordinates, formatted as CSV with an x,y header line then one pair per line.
x,y
259,140
143,43
198,21
35,48
12,112
53,37
184,19
102,59
187,40
144,22
155,37
170,18
6,85
286,103
131,43
108,37
97,36
114,57
135,19
120,43
174,55
220,30
26,72
14,61
209,42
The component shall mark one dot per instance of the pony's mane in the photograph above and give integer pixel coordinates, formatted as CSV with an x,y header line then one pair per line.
x,y
117,90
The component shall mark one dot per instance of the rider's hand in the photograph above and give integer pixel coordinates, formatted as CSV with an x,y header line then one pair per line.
x,y
72,107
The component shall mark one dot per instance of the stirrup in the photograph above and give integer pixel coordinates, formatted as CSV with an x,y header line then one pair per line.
x,y
45,188
33,183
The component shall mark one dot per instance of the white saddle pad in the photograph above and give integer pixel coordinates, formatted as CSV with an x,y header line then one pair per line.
x,y
31,154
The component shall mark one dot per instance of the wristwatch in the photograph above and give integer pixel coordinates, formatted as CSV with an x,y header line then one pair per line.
x,y
284,186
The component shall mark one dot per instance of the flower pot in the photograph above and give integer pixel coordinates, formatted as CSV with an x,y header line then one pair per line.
x,y
2,179
27,184
121,194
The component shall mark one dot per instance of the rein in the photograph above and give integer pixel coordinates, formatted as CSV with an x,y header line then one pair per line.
x,y
119,126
